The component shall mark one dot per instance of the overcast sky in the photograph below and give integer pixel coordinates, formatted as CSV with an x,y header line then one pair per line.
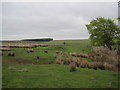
x,y
61,20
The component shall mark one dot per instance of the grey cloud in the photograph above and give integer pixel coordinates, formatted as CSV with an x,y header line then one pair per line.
x,y
57,20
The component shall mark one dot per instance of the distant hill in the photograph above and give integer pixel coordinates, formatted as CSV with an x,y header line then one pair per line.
x,y
42,39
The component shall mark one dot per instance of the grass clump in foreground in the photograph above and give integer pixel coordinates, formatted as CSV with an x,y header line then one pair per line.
x,y
58,76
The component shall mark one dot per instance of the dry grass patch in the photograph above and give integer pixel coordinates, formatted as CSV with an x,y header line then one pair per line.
x,y
83,55
60,60
4,49
11,54
110,58
84,64
72,67
30,50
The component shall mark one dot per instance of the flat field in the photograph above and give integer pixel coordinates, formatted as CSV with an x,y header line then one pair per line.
x,y
25,70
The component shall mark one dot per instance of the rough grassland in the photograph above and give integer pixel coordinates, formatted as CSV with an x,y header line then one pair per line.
x,y
57,76
27,75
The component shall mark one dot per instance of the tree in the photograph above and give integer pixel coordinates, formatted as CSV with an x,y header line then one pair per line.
x,y
118,18
118,37
103,32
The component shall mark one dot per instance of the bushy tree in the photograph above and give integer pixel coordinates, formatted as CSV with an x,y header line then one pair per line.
x,y
119,18
117,38
103,32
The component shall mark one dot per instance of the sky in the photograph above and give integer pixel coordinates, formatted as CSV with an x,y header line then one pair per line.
x,y
57,20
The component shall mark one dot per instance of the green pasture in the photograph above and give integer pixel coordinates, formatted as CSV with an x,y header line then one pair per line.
x,y
46,74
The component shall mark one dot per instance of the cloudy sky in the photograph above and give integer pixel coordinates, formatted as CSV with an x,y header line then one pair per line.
x,y
58,20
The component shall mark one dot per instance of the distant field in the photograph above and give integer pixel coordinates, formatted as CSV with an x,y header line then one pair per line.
x,y
54,41
45,75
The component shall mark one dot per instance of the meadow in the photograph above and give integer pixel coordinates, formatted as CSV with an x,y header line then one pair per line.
x,y
25,70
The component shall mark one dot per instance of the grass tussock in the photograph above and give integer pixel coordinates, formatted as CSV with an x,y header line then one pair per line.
x,y
27,45
78,62
11,54
4,49
72,67
83,55
30,50
84,64
59,60
68,61
109,58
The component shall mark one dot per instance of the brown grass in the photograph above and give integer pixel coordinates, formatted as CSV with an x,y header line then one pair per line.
x,y
30,50
84,64
11,54
60,60
78,62
109,58
26,45
72,67
99,65
83,55
4,49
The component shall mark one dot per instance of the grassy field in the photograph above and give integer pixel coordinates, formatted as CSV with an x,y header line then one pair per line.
x,y
20,72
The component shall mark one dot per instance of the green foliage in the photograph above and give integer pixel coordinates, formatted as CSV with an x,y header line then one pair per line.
x,y
103,32
118,18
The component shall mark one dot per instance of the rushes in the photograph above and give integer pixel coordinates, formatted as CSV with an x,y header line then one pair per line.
x,y
108,59
78,62
72,67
